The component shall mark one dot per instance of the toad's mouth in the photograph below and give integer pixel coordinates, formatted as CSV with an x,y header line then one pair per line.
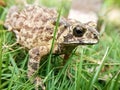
x,y
79,42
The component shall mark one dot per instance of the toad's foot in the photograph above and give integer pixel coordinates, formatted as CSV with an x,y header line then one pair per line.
x,y
39,82
35,55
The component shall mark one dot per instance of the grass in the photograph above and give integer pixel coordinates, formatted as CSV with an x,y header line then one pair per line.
x,y
52,46
88,68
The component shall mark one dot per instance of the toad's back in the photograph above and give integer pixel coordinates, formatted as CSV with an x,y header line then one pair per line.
x,y
32,25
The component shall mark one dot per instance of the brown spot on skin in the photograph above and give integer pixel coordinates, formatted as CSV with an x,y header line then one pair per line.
x,y
35,28
35,51
33,65
34,57
61,22
60,33
36,18
44,19
48,28
42,49
69,36
26,26
48,38
30,36
24,35
29,9
41,28
65,39
34,54
89,35
21,24
51,33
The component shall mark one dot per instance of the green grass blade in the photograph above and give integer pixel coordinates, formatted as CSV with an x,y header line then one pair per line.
x,y
78,72
117,81
95,76
62,71
1,40
4,84
24,62
54,36
14,64
11,80
0,60
113,83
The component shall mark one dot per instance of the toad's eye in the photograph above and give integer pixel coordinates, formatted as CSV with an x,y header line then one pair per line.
x,y
78,31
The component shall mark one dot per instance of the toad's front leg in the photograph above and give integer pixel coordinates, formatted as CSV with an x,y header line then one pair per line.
x,y
35,56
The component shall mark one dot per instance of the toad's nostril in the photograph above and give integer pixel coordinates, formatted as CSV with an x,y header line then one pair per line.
x,y
95,36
